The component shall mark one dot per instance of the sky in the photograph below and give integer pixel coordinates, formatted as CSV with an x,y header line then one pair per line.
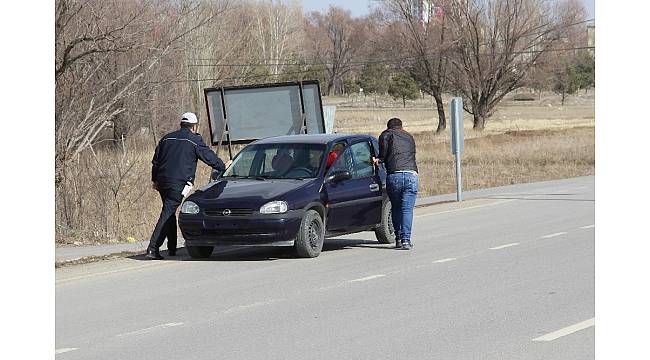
x,y
360,7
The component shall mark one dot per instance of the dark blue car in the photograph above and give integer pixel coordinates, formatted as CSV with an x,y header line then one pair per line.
x,y
292,190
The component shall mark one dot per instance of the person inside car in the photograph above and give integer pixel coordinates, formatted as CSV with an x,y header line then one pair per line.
x,y
334,153
281,163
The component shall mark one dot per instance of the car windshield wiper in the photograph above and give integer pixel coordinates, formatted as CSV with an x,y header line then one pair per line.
x,y
234,176
256,177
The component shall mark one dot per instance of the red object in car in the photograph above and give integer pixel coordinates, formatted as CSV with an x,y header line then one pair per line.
x,y
331,158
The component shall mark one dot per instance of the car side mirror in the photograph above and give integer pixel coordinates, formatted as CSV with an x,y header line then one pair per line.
x,y
339,176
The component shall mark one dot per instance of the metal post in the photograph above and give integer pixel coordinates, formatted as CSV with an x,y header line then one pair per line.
x,y
457,140
459,187
302,110
225,130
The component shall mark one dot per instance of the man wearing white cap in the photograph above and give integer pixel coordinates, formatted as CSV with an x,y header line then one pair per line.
x,y
174,167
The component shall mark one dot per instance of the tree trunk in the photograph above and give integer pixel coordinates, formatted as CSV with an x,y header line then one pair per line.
x,y
404,100
563,96
479,121
442,122
480,115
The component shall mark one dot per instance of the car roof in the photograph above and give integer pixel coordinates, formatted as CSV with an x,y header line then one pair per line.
x,y
310,138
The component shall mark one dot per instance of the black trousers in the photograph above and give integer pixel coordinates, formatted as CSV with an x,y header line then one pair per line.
x,y
166,227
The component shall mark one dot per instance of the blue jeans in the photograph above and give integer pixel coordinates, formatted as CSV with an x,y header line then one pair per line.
x,y
402,190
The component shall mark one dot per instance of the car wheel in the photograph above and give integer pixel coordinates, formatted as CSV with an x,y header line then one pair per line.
x,y
199,252
311,235
385,232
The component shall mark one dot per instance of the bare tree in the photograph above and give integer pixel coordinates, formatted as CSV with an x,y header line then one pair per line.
x,y
496,44
104,51
422,32
277,29
208,50
334,39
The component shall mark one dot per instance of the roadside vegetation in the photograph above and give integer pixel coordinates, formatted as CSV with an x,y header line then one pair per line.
x,y
125,71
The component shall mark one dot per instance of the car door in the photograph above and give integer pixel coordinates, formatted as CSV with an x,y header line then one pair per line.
x,y
354,203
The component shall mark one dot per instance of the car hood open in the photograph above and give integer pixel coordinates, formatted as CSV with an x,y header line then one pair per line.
x,y
245,193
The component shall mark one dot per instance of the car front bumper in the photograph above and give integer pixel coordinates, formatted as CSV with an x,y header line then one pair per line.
x,y
251,230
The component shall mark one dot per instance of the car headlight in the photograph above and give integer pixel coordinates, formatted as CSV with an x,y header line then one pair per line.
x,y
189,207
274,207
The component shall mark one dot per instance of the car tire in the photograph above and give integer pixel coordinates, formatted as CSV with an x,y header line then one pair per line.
x,y
200,252
311,235
385,233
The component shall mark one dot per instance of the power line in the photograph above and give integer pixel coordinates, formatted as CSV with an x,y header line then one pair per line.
x,y
347,67
243,77
382,61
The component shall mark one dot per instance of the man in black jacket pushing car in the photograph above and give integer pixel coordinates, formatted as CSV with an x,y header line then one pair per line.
x,y
397,152
172,173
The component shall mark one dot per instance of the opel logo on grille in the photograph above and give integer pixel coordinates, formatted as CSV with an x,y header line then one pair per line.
x,y
227,212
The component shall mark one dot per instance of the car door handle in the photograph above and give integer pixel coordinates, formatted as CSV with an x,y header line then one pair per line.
x,y
374,187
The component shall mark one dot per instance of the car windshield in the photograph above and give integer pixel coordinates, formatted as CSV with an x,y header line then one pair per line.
x,y
277,161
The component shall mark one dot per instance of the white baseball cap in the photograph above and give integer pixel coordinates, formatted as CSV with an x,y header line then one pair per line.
x,y
190,118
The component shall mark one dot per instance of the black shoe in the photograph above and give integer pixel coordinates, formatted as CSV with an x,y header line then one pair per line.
x,y
154,254
171,252
406,246
398,244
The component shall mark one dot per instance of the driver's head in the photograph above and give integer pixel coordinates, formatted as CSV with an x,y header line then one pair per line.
x,y
282,162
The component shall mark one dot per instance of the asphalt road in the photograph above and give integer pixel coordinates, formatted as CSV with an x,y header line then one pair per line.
x,y
506,276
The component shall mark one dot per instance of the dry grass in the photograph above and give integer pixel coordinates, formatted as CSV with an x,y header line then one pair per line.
x,y
420,116
509,118
108,197
503,159
522,142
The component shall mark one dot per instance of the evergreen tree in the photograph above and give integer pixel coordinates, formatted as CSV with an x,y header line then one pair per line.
x,y
403,86
374,80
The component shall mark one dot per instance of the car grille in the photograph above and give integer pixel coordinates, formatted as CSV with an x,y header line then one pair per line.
x,y
224,212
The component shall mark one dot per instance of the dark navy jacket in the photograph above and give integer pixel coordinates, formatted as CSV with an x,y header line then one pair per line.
x,y
174,161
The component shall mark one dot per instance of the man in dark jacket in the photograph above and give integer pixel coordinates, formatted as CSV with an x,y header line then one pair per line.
x,y
397,152
173,168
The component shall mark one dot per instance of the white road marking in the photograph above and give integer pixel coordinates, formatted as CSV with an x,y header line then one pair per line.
x,y
64,350
253,305
368,278
588,226
567,330
150,329
504,246
444,260
553,235
467,208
